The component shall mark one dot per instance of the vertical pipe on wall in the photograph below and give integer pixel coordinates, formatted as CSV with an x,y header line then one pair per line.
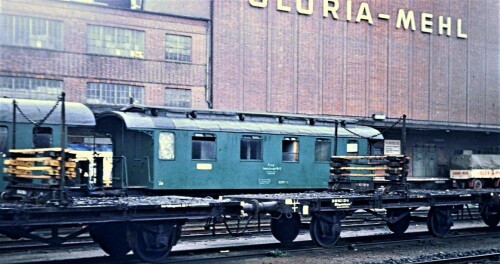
x,y
209,54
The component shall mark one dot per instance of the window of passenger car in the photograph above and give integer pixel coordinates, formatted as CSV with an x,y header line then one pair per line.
x,y
166,149
352,147
323,149
3,139
204,147
251,148
42,137
290,150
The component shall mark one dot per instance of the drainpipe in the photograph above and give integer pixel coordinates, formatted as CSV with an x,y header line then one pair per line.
x,y
209,46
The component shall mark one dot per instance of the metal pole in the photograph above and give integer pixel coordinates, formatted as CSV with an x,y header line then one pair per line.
x,y
336,139
403,136
14,109
403,150
63,146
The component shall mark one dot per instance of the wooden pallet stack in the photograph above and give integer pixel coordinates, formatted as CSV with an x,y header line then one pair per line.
x,y
379,168
44,163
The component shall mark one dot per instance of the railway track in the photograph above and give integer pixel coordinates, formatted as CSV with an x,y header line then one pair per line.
x,y
236,252
228,254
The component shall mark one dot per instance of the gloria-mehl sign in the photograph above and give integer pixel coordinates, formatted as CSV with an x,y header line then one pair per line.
x,y
405,18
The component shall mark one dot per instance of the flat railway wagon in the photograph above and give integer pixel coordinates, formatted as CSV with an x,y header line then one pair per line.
x,y
327,209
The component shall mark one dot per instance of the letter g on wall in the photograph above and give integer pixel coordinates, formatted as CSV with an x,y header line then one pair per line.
x,y
258,3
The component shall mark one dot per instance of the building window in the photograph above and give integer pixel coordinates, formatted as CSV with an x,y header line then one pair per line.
x,y
42,137
3,139
31,32
178,97
30,88
323,149
352,147
290,149
114,94
251,148
115,41
204,147
177,48
167,146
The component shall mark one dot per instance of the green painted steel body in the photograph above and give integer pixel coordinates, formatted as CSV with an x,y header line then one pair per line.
x,y
136,146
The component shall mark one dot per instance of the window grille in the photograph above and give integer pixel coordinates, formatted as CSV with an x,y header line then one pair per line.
x,y
31,32
178,48
30,88
114,94
178,97
115,41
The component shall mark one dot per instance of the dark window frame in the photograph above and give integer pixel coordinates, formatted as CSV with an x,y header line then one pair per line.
x,y
290,150
4,137
43,137
204,147
251,148
320,154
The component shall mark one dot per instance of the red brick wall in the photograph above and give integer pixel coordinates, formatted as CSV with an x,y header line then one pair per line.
x,y
275,61
76,68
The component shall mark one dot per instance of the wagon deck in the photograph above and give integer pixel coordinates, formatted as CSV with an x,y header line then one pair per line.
x,y
340,201
327,209
85,210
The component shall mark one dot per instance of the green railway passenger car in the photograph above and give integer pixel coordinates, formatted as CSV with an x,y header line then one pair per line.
x,y
174,149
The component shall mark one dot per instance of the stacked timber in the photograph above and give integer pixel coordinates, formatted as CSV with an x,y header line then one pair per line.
x,y
44,163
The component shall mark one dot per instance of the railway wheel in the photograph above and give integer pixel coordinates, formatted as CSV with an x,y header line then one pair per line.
x,y
439,220
490,215
152,242
476,184
286,228
325,229
112,238
399,220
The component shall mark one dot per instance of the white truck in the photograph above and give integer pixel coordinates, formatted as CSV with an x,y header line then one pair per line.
x,y
475,170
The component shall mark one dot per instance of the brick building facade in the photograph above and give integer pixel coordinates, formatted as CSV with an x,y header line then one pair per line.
x,y
76,66
280,60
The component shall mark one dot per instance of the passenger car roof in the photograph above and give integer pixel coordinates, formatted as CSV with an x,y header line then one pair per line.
x,y
295,125
77,114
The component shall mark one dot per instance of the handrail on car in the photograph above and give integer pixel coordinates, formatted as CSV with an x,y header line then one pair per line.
x,y
126,169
